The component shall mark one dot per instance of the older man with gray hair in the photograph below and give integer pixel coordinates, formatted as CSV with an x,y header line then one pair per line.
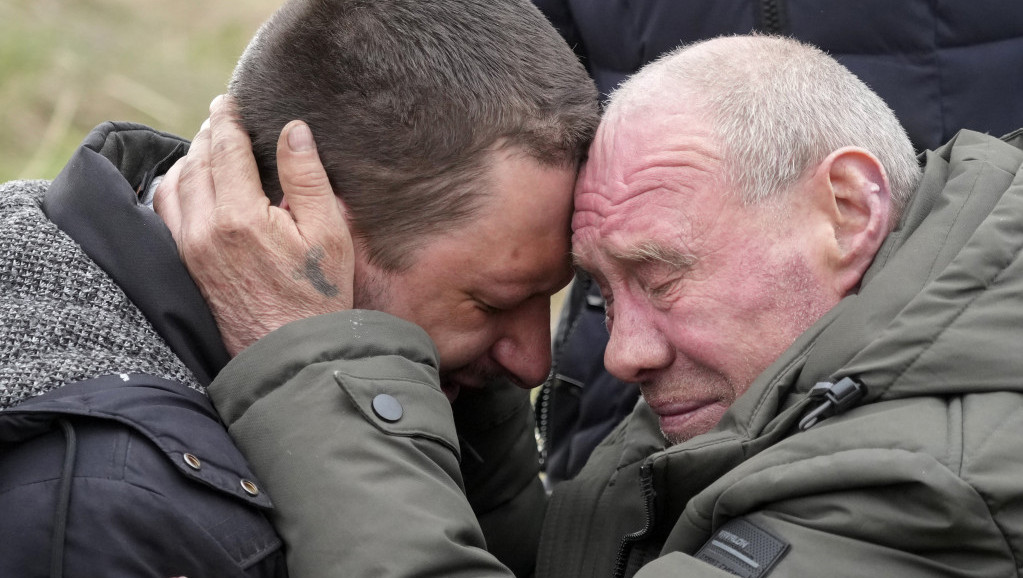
x,y
825,337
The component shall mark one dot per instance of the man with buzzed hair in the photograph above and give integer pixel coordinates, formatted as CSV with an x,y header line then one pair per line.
x,y
824,334
452,132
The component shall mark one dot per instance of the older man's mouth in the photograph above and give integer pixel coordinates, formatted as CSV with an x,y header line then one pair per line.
x,y
681,420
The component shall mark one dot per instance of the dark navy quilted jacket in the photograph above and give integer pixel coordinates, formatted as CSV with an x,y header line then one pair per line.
x,y
941,65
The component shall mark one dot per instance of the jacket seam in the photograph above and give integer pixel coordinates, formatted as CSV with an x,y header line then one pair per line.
x,y
387,379
955,219
335,356
983,496
988,282
961,420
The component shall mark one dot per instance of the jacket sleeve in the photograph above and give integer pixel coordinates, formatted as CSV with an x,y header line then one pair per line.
x,y
342,418
501,469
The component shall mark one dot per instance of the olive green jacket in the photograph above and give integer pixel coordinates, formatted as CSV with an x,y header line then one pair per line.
x,y
921,476
345,425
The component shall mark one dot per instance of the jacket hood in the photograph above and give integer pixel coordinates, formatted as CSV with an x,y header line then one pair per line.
x,y
95,201
940,311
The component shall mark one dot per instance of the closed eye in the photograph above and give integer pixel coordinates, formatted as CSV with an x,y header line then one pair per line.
x,y
487,308
664,289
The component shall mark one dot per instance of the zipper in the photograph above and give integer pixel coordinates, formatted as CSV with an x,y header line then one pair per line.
x,y
544,399
60,518
772,17
646,480
543,402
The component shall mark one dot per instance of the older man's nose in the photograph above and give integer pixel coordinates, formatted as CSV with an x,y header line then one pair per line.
x,y
636,346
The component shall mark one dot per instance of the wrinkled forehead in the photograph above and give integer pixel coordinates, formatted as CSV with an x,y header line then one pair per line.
x,y
652,174
605,233
647,152
617,145
599,186
608,227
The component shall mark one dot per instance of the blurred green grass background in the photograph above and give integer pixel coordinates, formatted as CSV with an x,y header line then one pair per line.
x,y
68,65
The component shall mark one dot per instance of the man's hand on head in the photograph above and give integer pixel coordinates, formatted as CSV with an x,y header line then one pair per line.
x,y
258,266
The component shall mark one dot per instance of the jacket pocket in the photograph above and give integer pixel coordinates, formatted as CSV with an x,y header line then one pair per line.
x,y
402,407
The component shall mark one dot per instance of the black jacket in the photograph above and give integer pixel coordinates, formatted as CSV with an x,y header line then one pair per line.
x,y
130,474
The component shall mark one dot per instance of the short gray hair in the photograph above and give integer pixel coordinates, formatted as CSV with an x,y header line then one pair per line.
x,y
779,108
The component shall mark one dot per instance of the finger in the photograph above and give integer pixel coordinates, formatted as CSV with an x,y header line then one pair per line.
x,y
167,202
239,190
307,191
195,181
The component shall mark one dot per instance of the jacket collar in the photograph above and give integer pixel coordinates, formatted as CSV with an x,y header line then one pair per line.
x,y
94,200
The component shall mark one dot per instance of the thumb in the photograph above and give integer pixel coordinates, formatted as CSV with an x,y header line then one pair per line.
x,y
167,202
307,192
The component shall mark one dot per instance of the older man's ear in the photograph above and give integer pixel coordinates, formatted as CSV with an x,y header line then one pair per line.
x,y
851,191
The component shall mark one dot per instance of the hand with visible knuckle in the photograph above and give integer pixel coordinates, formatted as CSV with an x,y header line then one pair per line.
x,y
259,266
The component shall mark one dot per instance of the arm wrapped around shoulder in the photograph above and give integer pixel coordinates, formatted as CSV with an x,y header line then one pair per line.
x,y
342,418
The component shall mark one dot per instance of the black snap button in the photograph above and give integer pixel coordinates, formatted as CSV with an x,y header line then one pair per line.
x,y
387,408
192,461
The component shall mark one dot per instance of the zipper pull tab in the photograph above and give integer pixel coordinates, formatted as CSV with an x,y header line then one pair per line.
x,y
838,397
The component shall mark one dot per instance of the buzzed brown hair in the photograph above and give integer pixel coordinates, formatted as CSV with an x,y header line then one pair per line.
x,y
407,100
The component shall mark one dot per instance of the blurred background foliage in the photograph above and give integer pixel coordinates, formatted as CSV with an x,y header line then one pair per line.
x,y
68,65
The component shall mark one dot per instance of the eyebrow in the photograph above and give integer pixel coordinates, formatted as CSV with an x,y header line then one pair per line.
x,y
646,253
652,253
